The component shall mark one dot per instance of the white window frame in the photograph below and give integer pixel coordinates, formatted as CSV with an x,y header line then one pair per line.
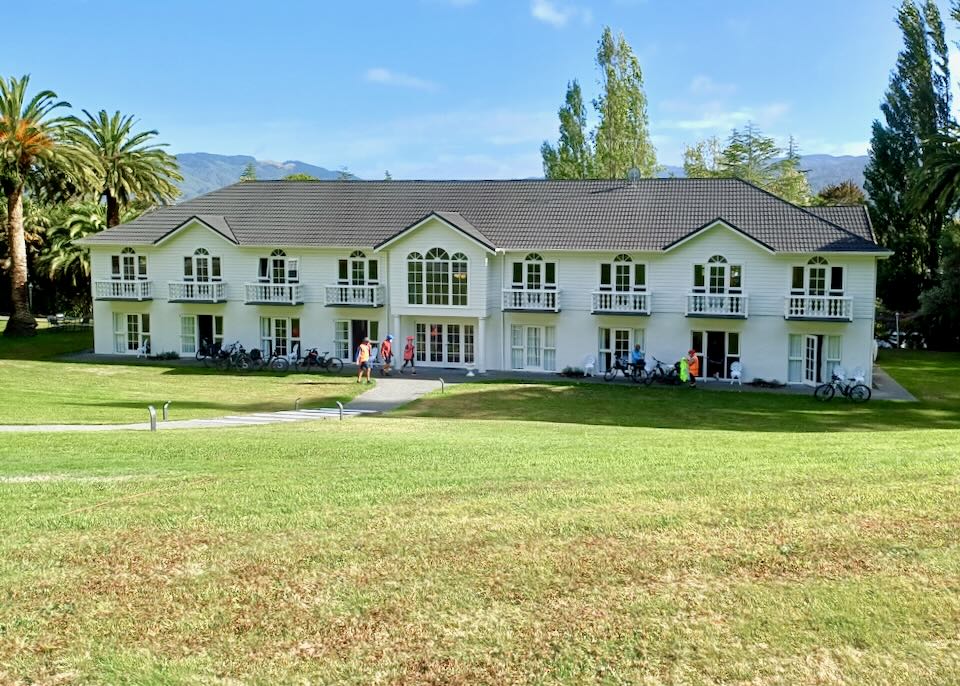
x,y
358,270
123,344
539,357
533,273
725,269
128,266
829,273
271,335
703,353
341,338
210,263
607,334
450,285
795,357
279,268
623,265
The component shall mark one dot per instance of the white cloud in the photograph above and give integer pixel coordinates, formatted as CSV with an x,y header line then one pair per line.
x,y
712,116
393,78
556,15
706,86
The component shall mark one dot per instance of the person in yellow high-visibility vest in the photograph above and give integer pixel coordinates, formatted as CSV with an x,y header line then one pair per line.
x,y
363,359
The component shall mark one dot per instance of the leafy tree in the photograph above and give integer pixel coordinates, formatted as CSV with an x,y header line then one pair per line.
x,y
343,174
915,111
249,172
130,164
753,157
843,193
387,176
621,141
572,158
300,176
32,139
939,315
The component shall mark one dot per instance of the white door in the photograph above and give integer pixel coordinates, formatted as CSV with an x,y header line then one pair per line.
x,y
811,362
448,344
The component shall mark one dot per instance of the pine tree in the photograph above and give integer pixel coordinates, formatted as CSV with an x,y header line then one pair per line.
x,y
249,172
843,193
572,158
915,109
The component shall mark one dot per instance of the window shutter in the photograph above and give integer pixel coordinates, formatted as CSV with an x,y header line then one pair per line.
x,y
293,270
640,277
373,269
518,274
836,280
698,281
215,267
115,266
188,268
605,277
264,270
142,266
736,277
796,280
550,274
343,271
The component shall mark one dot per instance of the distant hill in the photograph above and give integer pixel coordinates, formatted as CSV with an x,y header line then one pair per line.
x,y
822,170
204,172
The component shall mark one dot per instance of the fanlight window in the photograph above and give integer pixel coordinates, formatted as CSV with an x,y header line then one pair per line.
x,y
817,278
534,273
201,267
718,276
437,279
128,266
278,268
623,275
358,270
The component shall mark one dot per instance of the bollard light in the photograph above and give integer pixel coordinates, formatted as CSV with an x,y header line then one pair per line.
x,y
153,417
340,407
166,408
442,385
296,405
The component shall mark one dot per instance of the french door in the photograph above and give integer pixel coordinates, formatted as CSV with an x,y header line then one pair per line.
x,y
533,347
717,350
445,343
811,359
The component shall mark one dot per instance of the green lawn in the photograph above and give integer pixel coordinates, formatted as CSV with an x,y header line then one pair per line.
x,y
36,388
934,378
458,549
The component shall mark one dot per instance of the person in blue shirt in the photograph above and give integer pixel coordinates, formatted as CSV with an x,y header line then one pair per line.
x,y
636,357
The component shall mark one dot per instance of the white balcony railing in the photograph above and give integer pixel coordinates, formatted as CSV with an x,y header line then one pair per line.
x,y
835,307
355,296
208,291
716,305
541,300
273,294
621,302
123,290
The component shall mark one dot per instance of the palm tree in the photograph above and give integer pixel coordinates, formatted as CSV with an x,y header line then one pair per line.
x,y
132,165
31,139
939,177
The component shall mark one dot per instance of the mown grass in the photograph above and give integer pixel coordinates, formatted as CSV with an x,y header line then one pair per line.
x,y
934,378
460,551
38,388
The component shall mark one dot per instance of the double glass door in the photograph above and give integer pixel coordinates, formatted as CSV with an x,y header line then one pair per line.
x,y
445,343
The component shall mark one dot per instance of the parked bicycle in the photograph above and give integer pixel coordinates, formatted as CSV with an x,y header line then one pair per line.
x,y
853,389
234,356
275,362
664,373
637,373
208,352
315,361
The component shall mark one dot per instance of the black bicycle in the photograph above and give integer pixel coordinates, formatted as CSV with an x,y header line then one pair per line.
x,y
668,374
637,373
208,352
234,356
851,389
323,362
275,362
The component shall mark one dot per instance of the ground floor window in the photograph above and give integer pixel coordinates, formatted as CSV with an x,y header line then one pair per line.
x,y
131,332
280,335
614,343
197,329
341,339
533,347
717,350
811,358
445,343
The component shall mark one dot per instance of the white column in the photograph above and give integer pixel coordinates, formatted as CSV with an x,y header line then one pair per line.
x,y
481,345
397,334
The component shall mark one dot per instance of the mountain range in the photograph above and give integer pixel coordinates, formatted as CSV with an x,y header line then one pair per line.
x,y
204,172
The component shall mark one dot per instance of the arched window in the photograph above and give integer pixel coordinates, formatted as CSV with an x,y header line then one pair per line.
x,y
358,270
437,279
201,267
717,276
534,273
817,278
623,275
278,268
128,266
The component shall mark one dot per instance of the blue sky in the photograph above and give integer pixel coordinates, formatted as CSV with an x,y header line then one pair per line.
x,y
454,88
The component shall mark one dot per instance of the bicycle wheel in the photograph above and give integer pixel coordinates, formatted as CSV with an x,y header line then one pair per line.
x,y
244,363
334,365
610,374
860,393
222,363
280,364
824,392
636,375
647,377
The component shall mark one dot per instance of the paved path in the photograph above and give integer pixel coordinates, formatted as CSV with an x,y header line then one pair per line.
x,y
393,391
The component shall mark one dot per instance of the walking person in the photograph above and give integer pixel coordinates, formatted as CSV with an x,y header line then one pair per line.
x,y
363,359
386,354
409,353
693,367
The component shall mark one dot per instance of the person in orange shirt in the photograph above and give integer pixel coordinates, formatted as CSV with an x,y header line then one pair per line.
x,y
693,367
363,359
386,354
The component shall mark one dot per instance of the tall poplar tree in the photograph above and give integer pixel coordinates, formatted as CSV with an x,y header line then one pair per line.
x,y
572,158
915,109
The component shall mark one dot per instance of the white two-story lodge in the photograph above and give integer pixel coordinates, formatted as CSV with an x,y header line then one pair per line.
x,y
505,275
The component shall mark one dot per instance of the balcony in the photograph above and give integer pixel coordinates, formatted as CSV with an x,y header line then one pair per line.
x,y
833,308
273,294
524,300
611,302
204,292
354,296
717,305
122,290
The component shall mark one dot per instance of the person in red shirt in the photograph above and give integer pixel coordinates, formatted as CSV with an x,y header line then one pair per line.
x,y
386,354
409,353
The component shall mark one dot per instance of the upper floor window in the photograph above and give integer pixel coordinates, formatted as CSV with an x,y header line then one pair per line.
x,y
278,268
358,270
201,267
817,277
128,266
717,276
534,274
437,278
622,275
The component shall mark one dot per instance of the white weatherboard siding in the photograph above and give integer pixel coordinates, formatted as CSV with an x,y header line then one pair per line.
x,y
565,338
